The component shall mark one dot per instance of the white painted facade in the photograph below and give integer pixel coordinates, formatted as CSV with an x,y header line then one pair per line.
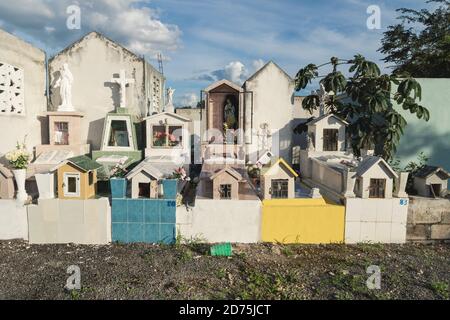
x,y
170,120
70,221
94,61
376,221
13,220
217,221
272,90
31,60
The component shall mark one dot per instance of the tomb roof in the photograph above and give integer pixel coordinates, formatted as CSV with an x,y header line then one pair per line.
x,y
427,171
324,116
371,161
83,163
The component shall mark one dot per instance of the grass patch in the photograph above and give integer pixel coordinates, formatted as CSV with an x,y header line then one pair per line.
x,y
441,288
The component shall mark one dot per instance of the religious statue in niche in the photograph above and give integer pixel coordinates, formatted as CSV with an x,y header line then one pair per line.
x,y
64,83
169,105
310,141
230,113
265,137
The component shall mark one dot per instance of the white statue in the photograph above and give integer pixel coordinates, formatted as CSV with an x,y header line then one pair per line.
x,y
64,83
169,105
310,141
265,135
122,81
324,97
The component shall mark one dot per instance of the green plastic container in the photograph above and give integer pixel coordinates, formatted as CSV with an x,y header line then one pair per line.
x,y
221,250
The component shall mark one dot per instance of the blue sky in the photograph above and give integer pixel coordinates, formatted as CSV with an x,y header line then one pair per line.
x,y
203,40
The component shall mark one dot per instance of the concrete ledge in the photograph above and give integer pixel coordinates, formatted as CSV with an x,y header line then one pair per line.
x,y
214,221
13,220
70,221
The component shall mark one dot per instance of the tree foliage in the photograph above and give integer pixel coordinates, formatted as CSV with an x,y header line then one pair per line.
x,y
366,100
420,44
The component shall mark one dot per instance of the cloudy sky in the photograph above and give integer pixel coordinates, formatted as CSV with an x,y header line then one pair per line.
x,y
206,40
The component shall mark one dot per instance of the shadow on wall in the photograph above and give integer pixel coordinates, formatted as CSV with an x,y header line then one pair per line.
x,y
44,129
435,145
417,138
299,139
95,133
115,94
55,96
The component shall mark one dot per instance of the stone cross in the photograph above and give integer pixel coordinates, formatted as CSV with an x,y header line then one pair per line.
x,y
122,81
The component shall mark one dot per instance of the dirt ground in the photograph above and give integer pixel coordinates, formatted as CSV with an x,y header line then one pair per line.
x,y
260,271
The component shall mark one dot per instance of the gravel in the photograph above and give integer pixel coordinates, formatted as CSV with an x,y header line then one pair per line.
x,y
257,271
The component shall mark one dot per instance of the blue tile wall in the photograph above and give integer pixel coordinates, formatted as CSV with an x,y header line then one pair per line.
x,y
167,233
135,211
135,232
170,188
151,211
118,188
143,220
119,211
119,232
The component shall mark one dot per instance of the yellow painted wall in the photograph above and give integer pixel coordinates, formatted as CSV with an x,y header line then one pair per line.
x,y
309,221
86,191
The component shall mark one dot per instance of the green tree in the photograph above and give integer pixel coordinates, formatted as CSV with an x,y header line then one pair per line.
x,y
420,44
366,100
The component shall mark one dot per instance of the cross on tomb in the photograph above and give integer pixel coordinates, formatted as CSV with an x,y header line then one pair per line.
x,y
122,81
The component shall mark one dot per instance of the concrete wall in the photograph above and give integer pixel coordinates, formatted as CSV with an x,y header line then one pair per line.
x,y
326,176
430,137
376,220
309,221
428,219
216,221
70,221
94,61
13,220
20,54
273,103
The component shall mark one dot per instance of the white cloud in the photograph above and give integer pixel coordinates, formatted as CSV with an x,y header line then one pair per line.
x,y
258,64
130,22
187,100
235,71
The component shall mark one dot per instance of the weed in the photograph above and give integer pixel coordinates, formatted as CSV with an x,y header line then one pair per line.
x,y
441,289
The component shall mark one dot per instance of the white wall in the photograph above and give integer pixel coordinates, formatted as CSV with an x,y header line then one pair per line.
x,y
20,54
93,62
273,103
13,220
237,221
376,220
70,221
323,174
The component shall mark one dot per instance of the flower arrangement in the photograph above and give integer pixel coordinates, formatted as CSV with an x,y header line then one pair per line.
x,y
159,139
180,174
19,158
118,171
